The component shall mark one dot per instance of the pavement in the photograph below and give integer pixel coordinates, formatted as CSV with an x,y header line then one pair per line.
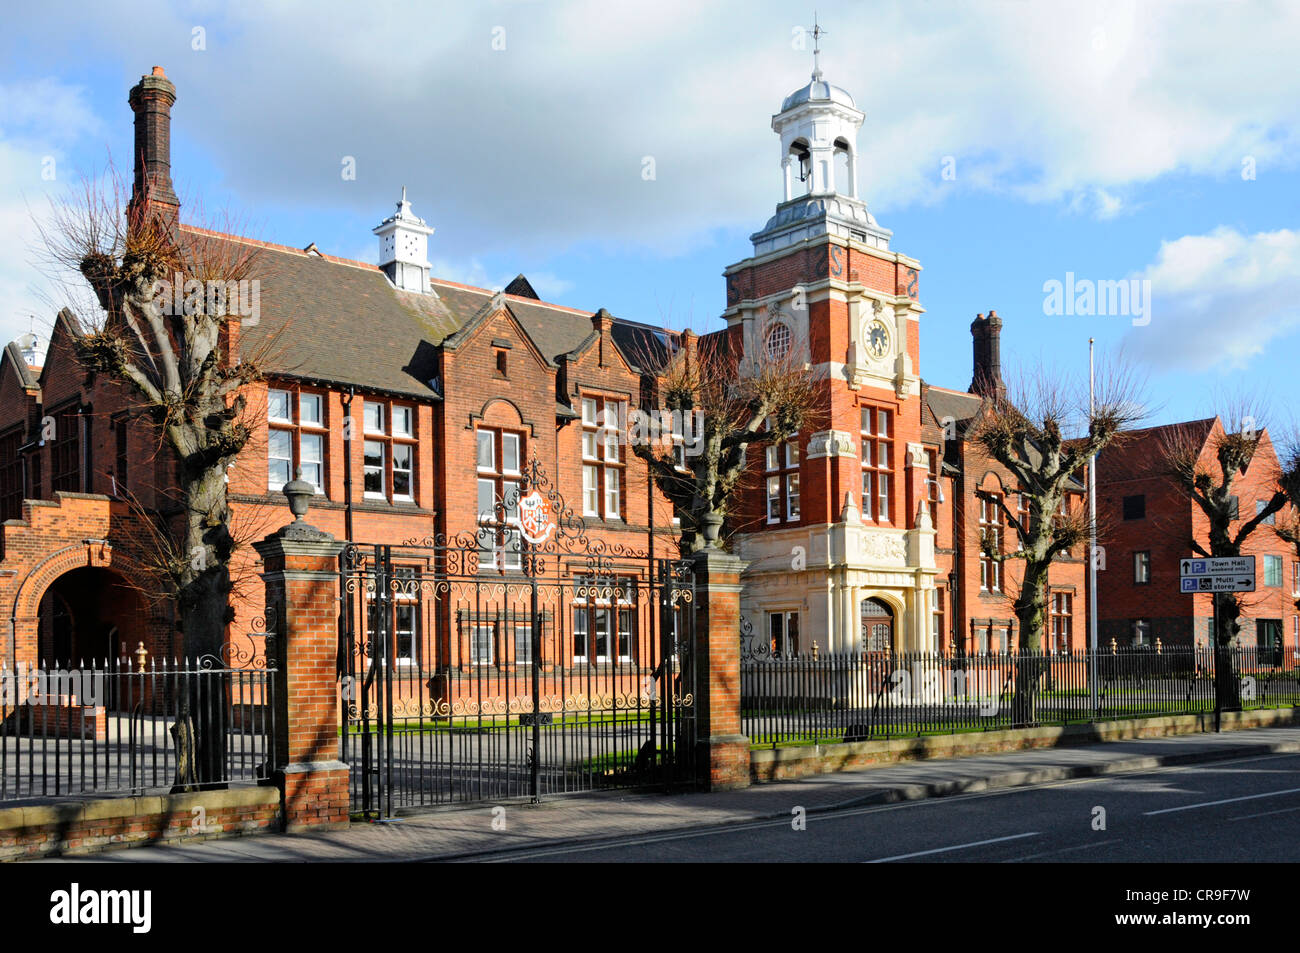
x,y
484,830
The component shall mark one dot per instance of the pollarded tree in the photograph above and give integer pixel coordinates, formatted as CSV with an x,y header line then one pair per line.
x,y
1028,433
167,305
710,403
1208,471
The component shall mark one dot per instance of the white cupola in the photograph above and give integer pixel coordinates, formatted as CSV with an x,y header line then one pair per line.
x,y
818,125
404,248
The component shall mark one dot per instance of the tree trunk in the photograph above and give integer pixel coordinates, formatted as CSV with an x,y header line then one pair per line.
x,y
1031,665
204,603
1227,683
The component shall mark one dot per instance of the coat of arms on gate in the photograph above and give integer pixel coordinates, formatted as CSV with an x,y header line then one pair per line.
x,y
535,521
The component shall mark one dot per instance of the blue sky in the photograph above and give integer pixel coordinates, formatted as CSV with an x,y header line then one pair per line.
x,y
1114,141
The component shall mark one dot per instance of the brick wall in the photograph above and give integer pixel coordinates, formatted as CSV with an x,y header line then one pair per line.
x,y
88,827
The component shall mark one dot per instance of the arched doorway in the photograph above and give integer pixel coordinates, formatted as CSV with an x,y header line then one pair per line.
x,y
877,626
86,618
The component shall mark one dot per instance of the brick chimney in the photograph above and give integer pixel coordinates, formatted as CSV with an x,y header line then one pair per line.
x,y
987,335
151,100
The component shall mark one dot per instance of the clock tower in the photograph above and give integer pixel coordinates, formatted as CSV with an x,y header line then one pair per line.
x,y
849,496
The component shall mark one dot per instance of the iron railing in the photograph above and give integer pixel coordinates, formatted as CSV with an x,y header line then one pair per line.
x,y
119,728
460,688
820,699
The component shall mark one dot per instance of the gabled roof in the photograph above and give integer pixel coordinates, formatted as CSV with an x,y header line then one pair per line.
x,y
521,287
66,327
1138,453
338,320
555,330
958,405
639,342
963,407
17,365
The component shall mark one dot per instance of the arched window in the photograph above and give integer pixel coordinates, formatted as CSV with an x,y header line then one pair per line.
x,y
802,162
843,165
778,341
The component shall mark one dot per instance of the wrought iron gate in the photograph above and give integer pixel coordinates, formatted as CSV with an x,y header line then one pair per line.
x,y
488,667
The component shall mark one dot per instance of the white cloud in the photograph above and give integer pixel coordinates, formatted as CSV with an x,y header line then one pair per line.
x,y
534,147
41,121
549,285
1219,299
1108,206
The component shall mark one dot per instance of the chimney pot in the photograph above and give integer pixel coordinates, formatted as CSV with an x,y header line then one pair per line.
x,y
151,100
986,340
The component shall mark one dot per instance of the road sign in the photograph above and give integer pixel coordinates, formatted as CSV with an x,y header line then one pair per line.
x,y
1217,574
1189,584
1217,566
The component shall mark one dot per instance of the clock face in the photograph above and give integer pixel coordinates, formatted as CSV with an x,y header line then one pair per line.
x,y
877,340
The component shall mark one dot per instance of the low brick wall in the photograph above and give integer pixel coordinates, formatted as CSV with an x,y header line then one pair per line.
x,y
781,764
86,827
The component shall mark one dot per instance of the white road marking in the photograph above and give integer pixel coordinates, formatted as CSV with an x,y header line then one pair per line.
x,y
1226,800
1063,850
1246,817
723,828
944,850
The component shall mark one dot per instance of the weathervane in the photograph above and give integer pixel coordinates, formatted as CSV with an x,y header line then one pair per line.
x,y
817,33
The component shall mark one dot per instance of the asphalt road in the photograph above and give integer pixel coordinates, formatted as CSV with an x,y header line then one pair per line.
x,y
1245,810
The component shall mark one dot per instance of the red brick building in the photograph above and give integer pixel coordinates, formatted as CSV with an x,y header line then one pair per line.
x,y
865,533
1150,526
411,405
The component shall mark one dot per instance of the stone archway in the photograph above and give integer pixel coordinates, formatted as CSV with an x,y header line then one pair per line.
x,y
89,616
64,585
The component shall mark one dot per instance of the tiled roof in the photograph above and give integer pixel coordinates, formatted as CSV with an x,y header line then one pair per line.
x,y
339,320
950,403
1139,453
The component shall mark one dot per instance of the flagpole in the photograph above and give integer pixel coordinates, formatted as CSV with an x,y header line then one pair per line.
x,y
1092,539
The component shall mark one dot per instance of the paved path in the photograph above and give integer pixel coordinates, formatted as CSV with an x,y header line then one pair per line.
x,y
468,833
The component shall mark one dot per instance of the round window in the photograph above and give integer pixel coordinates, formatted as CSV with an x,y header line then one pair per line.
x,y
778,342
